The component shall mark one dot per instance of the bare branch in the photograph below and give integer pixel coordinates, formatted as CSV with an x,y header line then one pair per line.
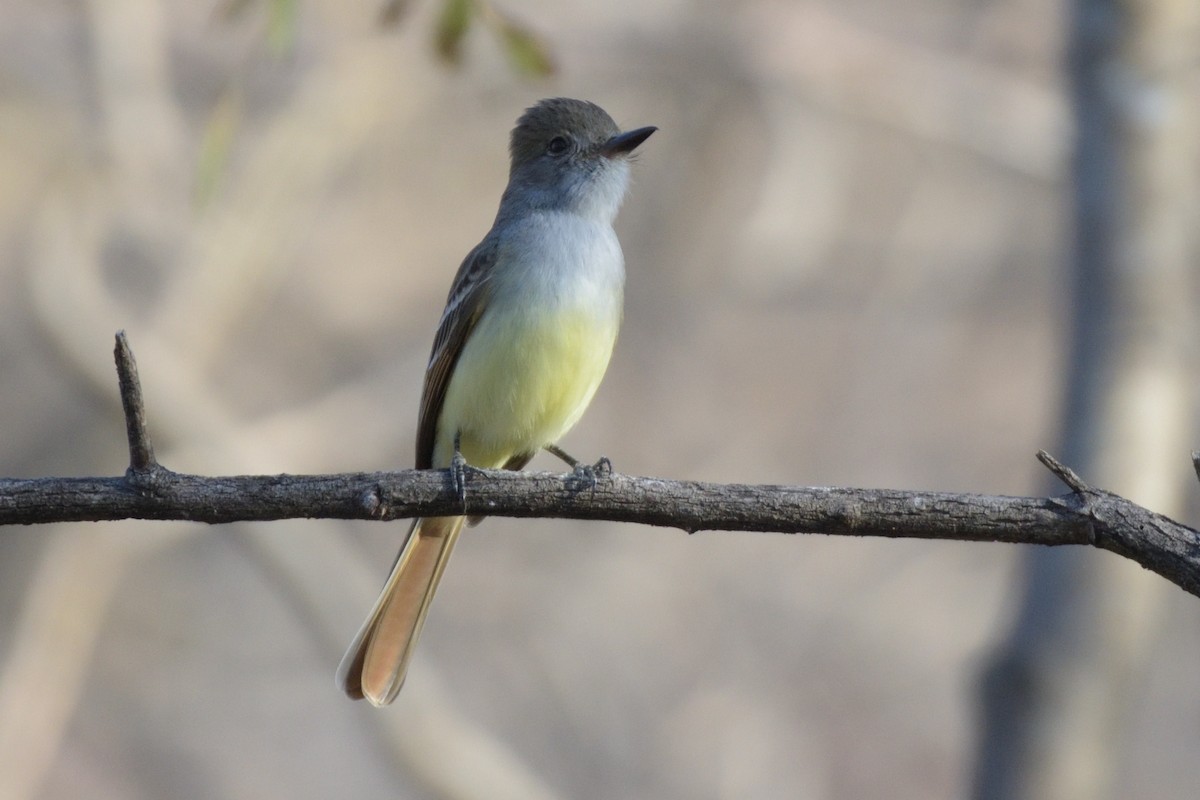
x,y
1062,472
141,451
1091,517
1087,516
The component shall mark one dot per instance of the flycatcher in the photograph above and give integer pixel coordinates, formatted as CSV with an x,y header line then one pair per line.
x,y
522,345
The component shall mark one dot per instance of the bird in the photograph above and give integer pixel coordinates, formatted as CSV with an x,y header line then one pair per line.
x,y
522,345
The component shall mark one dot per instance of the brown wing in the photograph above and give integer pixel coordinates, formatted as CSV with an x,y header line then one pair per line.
x,y
464,307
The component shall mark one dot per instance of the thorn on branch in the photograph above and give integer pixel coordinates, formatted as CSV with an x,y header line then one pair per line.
x,y
1063,472
141,451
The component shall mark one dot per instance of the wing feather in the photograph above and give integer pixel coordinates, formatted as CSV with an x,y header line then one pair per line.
x,y
464,306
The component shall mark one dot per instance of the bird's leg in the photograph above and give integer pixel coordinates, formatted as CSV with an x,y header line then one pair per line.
x,y
555,450
458,471
584,476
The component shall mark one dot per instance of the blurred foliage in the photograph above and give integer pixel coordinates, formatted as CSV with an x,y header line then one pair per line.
x,y
215,144
452,26
393,11
528,53
281,26
281,21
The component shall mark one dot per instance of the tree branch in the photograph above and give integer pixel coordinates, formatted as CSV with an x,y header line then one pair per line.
x,y
141,451
1086,516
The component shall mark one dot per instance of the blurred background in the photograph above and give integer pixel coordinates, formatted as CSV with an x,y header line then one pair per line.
x,y
858,254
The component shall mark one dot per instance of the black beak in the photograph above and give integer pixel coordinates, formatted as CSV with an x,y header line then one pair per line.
x,y
624,143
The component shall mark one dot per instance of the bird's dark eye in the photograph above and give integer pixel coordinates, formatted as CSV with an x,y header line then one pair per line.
x,y
558,145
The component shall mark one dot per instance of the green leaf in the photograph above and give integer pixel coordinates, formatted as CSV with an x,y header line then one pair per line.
x,y
527,52
281,25
452,26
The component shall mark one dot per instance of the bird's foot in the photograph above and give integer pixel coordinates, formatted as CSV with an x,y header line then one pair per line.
x,y
584,477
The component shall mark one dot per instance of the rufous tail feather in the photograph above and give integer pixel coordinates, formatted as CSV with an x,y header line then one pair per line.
x,y
377,660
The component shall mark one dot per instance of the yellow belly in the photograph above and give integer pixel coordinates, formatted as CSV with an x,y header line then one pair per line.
x,y
522,381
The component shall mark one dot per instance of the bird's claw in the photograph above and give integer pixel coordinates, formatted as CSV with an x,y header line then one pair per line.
x,y
584,477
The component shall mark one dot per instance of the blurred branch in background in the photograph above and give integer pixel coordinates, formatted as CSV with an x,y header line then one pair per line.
x,y
1057,694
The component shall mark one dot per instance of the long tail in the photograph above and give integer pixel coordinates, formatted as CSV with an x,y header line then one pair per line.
x,y
375,664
